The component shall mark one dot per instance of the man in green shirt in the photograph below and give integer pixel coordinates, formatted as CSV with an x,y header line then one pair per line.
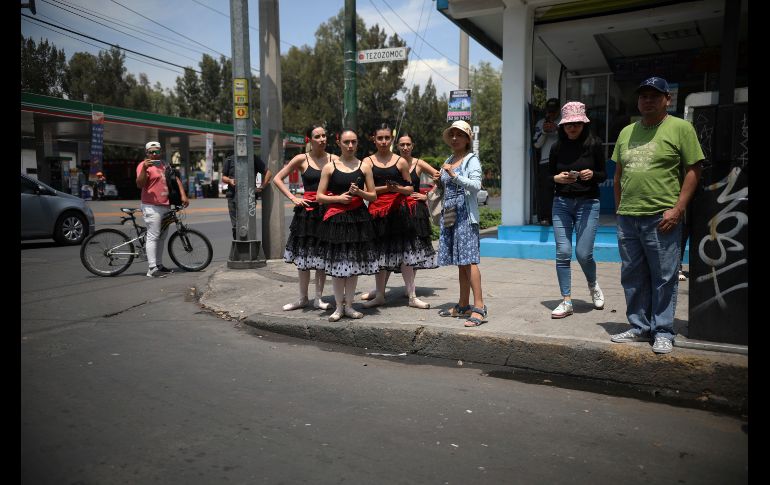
x,y
651,198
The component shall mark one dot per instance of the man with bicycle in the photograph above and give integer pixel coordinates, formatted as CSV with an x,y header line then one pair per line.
x,y
150,177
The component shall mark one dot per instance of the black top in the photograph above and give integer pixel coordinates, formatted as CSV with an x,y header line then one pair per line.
x,y
383,175
229,171
415,179
310,177
339,182
580,154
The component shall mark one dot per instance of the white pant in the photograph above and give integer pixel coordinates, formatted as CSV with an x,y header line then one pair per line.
x,y
153,215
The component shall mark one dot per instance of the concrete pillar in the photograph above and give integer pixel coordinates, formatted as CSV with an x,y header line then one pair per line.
x,y
517,69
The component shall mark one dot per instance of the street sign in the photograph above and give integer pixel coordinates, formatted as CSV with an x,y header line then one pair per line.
x,y
241,112
382,55
459,105
240,86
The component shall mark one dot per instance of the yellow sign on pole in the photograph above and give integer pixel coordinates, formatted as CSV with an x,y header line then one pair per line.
x,y
240,87
241,112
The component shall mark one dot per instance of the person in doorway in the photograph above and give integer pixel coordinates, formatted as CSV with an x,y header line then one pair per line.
x,y
228,177
459,237
398,246
303,248
546,134
101,182
151,178
576,164
651,197
347,231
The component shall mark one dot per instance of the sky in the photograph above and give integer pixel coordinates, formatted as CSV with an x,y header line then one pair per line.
x,y
180,31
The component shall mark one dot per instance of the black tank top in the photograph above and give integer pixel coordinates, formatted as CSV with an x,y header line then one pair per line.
x,y
310,177
415,179
382,175
340,181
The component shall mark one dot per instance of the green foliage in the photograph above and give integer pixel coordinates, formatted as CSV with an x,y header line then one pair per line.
x,y
313,81
425,119
489,217
43,68
486,85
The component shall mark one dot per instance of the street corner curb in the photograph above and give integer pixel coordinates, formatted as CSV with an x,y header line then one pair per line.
x,y
690,376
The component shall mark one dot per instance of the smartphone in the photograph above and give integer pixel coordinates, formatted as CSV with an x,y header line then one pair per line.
x,y
574,173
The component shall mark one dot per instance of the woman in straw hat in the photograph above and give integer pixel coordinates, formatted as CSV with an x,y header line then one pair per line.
x,y
459,240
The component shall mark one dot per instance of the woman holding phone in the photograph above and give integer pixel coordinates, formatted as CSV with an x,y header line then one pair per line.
x,y
398,246
577,165
346,232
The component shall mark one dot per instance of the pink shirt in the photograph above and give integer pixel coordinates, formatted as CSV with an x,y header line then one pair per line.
x,y
155,192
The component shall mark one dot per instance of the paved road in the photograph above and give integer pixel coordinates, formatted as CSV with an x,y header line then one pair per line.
x,y
128,380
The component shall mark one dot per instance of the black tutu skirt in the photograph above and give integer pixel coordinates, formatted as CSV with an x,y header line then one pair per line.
x,y
402,238
304,248
346,244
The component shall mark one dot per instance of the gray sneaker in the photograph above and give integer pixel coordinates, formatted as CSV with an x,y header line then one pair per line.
x,y
630,336
662,345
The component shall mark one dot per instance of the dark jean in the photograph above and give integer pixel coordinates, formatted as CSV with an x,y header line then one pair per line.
x,y
580,215
649,273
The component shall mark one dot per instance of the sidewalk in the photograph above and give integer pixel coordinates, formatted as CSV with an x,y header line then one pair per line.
x,y
520,334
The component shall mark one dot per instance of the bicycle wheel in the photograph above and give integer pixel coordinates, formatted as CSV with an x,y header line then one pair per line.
x,y
107,252
190,250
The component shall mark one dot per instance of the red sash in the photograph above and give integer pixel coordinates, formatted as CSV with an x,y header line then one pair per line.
x,y
310,197
385,204
337,208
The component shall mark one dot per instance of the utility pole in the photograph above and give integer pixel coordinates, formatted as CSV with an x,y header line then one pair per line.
x,y
463,81
350,114
244,252
271,123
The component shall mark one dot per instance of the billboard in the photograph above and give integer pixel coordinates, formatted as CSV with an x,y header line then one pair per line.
x,y
459,106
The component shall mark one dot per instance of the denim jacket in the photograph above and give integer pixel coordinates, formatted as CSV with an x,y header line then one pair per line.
x,y
471,183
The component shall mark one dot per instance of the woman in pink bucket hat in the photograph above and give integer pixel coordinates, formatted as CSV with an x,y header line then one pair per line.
x,y
577,166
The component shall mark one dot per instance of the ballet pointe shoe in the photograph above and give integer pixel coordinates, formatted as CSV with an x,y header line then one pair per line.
x,y
295,305
368,295
415,302
334,317
320,304
376,301
349,312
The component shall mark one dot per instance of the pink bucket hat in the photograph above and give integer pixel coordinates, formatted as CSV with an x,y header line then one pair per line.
x,y
573,112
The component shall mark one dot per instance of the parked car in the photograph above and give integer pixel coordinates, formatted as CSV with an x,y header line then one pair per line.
x,y
482,196
49,213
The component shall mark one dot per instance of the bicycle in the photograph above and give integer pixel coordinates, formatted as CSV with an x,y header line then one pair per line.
x,y
109,252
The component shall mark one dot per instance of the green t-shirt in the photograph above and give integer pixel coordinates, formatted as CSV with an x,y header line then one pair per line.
x,y
650,159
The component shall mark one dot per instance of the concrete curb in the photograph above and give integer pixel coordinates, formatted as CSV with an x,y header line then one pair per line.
x,y
694,378
688,379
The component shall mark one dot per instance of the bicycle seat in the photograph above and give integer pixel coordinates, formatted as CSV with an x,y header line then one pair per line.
x,y
128,210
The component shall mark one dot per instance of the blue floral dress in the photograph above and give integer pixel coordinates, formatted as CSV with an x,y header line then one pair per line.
x,y
458,245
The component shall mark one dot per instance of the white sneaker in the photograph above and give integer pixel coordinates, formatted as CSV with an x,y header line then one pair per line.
x,y
597,296
563,310
155,273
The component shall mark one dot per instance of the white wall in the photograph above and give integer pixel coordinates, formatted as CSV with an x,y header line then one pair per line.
x,y
518,21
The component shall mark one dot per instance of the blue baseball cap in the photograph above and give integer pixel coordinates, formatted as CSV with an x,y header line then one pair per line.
x,y
657,83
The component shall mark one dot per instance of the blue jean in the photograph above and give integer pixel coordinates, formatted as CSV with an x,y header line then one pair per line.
x,y
580,215
649,273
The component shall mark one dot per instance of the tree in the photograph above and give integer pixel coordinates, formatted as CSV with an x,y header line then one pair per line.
x,y
425,119
313,81
43,68
111,86
81,76
486,84
188,99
